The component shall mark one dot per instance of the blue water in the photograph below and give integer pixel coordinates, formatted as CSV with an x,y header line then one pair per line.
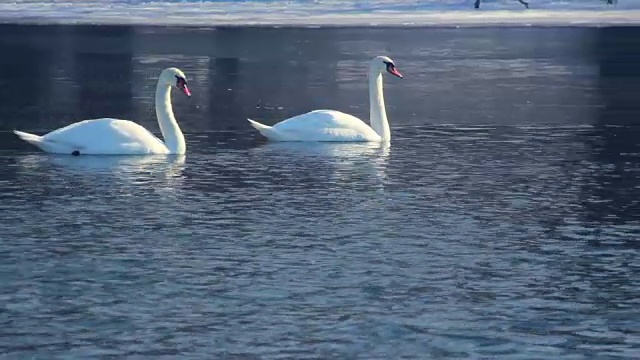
x,y
501,223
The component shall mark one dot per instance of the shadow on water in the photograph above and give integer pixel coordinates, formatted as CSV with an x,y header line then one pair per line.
x,y
103,71
613,195
61,74
25,87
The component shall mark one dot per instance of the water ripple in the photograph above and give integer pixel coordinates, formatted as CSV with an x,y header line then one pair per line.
x,y
453,242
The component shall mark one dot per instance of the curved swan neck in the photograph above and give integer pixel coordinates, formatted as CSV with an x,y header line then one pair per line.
x,y
173,137
377,111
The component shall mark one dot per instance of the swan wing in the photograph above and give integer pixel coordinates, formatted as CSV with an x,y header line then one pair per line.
x,y
325,125
105,136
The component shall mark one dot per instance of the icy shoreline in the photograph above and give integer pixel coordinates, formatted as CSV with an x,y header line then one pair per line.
x,y
317,13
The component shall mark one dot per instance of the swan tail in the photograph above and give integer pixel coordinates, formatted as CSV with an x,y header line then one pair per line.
x,y
48,145
258,126
266,131
30,138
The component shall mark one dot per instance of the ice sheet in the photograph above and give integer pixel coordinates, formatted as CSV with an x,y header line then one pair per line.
x,y
320,12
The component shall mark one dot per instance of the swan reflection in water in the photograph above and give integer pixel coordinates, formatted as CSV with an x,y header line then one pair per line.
x,y
163,171
346,163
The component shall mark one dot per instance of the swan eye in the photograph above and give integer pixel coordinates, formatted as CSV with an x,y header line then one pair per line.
x,y
180,82
391,69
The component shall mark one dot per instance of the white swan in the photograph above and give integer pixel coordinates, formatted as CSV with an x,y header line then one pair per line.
x,y
120,137
331,125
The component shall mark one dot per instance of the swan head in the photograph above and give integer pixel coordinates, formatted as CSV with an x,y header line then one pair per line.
x,y
175,77
384,63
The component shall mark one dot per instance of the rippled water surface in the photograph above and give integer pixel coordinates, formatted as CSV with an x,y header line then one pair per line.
x,y
502,222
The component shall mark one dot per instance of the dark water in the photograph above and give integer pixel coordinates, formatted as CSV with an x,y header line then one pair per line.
x,y
502,223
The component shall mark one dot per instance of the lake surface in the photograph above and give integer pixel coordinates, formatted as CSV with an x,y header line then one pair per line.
x,y
501,223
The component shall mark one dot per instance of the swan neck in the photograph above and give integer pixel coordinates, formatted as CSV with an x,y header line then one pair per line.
x,y
378,113
173,137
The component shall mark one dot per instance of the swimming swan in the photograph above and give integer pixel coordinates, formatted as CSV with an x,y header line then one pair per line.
x,y
331,125
108,136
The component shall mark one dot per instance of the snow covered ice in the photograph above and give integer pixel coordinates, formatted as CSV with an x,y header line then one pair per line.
x,y
320,12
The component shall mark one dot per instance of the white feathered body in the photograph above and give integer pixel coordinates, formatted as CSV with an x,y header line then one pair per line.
x,y
319,125
99,136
